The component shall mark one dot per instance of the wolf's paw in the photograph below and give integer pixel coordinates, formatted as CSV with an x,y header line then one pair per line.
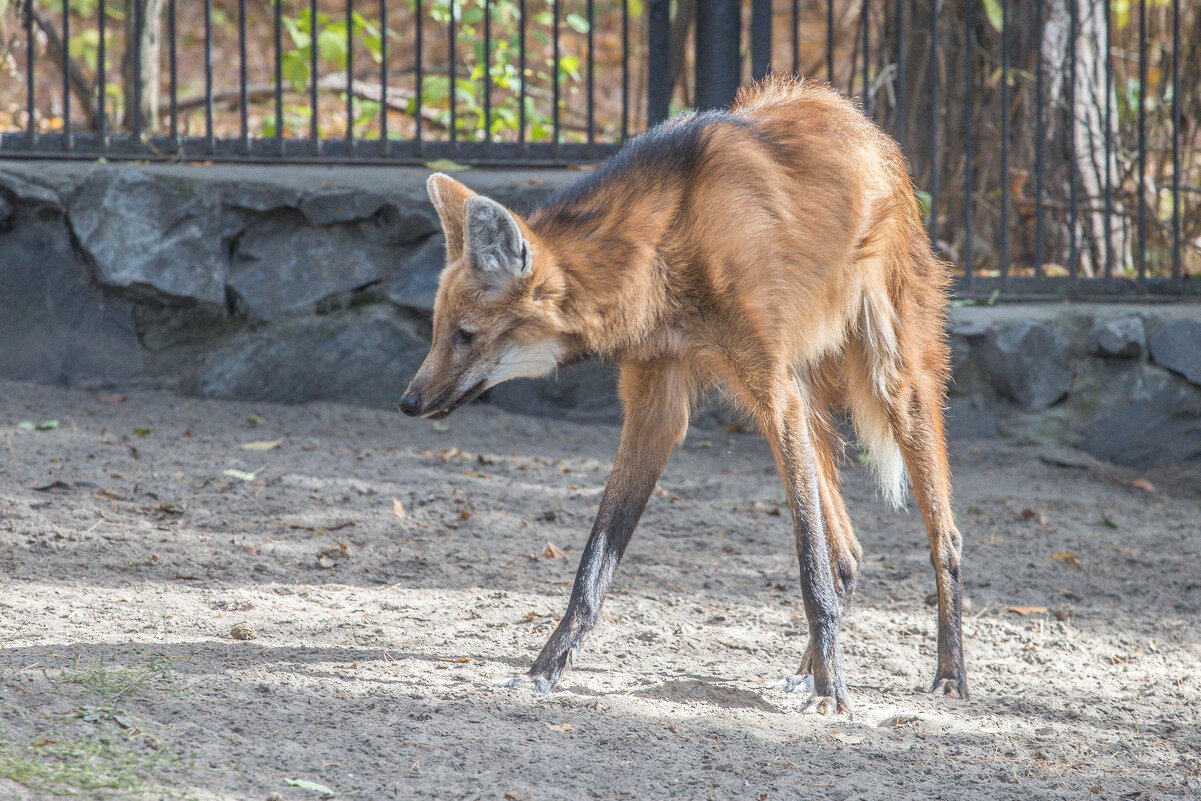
x,y
525,681
951,687
790,683
825,705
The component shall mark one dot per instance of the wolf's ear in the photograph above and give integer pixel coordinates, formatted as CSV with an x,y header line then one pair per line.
x,y
497,250
450,200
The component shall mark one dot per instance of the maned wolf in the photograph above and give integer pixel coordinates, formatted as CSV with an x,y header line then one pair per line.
x,y
776,249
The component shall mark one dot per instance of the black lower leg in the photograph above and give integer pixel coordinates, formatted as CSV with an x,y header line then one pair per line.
x,y
952,674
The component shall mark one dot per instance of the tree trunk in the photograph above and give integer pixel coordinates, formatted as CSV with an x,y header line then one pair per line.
x,y
140,67
1076,126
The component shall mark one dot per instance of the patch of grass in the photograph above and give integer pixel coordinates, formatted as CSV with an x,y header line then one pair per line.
x,y
112,683
106,764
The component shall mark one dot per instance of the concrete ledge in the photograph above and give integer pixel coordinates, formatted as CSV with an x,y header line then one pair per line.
x,y
316,283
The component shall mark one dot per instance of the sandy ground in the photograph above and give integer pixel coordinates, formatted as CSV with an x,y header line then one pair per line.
x,y
129,554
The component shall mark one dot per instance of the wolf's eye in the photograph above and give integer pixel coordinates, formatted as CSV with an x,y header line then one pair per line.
x,y
462,337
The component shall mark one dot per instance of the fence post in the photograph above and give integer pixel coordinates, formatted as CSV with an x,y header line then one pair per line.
x,y
760,38
718,30
658,88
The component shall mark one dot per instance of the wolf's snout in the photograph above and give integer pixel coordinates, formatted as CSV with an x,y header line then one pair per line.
x,y
410,403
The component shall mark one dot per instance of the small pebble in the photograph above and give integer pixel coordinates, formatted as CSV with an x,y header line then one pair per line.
x,y
242,631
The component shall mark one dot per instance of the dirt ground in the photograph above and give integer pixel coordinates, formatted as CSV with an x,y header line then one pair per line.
x,y
391,571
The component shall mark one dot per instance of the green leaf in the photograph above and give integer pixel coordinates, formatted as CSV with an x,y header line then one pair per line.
x,y
305,784
143,432
578,24
331,43
995,14
26,425
570,65
446,165
924,199
242,475
441,427
47,425
295,68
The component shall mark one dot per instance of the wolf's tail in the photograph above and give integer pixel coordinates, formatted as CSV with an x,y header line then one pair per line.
x,y
869,396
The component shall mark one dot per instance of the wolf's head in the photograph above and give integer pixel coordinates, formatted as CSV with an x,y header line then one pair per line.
x,y
496,311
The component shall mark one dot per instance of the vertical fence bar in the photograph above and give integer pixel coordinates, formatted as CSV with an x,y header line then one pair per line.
x,y
30,123
1040,132
314,128
591,80
139,22
625,70
1073,165
932,81
1141,259
866,21
658,62
796,36
101,78
899,80
66,68
487,74
208,76
718,62
1109,254
830,42
450,71
760,38
1177,256
243,104
173,68
350,77
419,68
277,33
968,143
1005,103
383,78
555,70
521,91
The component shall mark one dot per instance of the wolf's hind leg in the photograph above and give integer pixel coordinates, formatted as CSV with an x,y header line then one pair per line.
x,y
656,398
845,551
918,423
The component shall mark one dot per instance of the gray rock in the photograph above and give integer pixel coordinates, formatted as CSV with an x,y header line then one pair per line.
x,y
23,190
1150,417
1123,337
327,207
417,283
365,357
281,264
56,326
149,238
1027,362
1176,345
584,392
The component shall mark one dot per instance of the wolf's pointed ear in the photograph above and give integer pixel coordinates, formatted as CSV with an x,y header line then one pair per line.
x,y
497,250
450,200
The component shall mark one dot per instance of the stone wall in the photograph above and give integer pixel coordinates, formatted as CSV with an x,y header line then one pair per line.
x,y
293,284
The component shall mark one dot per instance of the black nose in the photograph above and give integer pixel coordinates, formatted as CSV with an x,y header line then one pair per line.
x,y
410,404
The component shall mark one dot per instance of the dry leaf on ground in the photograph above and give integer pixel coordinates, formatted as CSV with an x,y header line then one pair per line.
x,y
1026,610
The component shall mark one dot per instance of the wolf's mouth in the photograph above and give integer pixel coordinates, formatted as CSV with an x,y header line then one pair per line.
x,y
471,394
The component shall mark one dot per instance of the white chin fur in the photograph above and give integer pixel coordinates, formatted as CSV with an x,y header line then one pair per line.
x,y
526,361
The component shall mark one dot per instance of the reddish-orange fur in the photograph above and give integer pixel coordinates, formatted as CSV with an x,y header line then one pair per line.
x,y
776,250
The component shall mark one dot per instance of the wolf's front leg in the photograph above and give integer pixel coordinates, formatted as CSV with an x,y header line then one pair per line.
x,y
655,396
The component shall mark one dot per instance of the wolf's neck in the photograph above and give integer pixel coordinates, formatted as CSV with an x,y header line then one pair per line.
x,y
615,267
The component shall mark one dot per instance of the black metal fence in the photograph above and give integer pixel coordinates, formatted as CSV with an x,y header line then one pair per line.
x,y
1054,142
